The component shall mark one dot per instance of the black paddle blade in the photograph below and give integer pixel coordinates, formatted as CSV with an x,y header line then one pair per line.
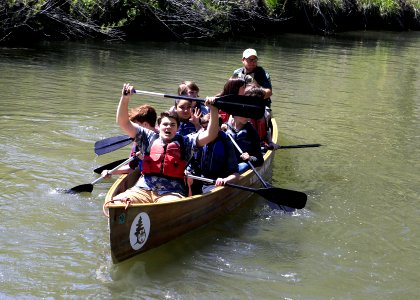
x,y
111,144
283,197
83,188
109,166
243,106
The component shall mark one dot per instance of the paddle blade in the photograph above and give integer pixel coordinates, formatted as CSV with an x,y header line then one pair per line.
x,y
109,166
243,106
283,197
83,188
111,144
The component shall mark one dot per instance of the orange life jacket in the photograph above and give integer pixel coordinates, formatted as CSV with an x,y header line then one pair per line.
x,y
165,160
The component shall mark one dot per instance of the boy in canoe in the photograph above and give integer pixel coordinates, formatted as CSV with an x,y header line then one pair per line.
x,y
145,116
189,112
216,160
165,153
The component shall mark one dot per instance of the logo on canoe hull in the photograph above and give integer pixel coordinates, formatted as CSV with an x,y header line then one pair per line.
x,y
139,231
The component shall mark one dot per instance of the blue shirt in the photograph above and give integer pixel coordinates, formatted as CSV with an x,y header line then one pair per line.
x,y
186,128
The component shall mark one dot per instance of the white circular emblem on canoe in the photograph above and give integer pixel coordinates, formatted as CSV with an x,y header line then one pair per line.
x,y
139,231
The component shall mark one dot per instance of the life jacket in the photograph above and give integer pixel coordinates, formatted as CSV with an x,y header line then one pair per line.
x,y
242,138
262,128
248,140
213,157
165,160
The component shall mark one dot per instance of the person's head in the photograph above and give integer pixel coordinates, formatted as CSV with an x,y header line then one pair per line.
x,y
183,108
233,86
240,120
254,91
204,121
144,115
188,88
168,125
250,59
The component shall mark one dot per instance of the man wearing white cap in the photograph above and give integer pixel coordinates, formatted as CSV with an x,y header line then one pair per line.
x,y
250,62
262,78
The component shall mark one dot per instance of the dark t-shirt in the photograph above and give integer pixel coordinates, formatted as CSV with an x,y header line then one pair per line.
x,y
259,74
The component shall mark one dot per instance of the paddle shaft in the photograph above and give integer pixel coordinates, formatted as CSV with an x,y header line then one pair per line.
x,y
212,181
248,162
219,100
300,146
282,197
89,187
127,161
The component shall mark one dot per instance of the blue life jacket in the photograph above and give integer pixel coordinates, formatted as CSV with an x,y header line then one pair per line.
x,y
217,159
248,140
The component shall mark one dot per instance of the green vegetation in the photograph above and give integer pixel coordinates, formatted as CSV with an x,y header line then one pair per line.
x,y
122,19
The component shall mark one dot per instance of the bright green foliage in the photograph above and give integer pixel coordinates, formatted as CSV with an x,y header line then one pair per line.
x,y
385,7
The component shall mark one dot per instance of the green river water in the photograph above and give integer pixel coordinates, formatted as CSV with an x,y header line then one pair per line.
x,y
358,94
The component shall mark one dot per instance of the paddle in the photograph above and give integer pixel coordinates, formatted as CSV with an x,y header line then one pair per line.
x,y
299,197
111,144
265,148
278,196
300,146
109,166
244,106
88,188
248,162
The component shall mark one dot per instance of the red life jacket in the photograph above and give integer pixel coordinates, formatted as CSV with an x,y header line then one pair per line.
x,y
165,160
261,126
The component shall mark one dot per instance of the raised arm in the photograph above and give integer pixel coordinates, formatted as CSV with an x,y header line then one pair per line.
x,y
212,130
122,111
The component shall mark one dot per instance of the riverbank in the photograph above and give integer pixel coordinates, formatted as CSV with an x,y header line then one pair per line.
x,y
182,20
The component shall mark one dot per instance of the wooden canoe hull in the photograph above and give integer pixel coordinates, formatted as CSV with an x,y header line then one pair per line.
x,y
142,227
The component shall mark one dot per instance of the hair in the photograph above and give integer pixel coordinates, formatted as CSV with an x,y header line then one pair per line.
x,y
179,100
232,86
168,114
187,85
254,91
143,113
183,90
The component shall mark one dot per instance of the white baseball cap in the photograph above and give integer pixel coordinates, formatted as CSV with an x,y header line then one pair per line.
x,y
249,52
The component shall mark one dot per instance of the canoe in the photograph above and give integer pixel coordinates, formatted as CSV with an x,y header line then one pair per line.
x,y
144,226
